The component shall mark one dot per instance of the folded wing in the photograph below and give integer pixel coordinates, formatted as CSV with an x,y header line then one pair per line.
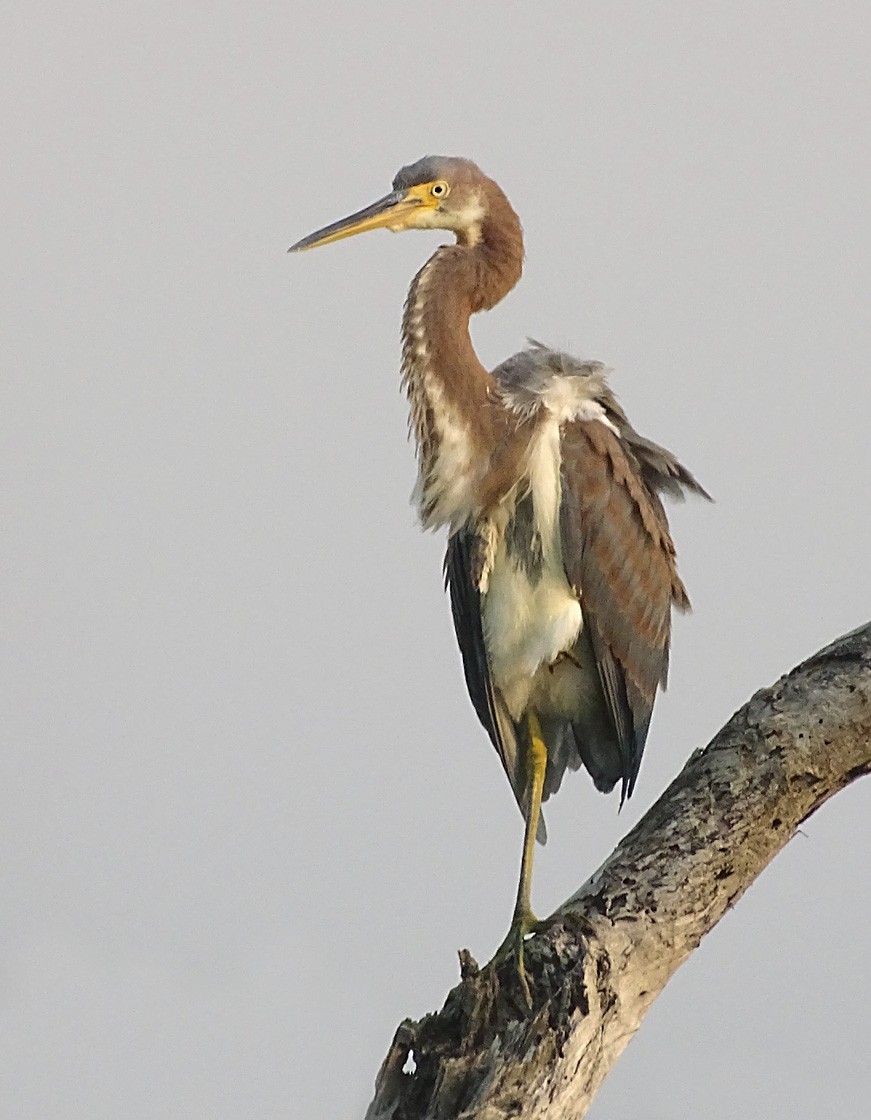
x,y
619,558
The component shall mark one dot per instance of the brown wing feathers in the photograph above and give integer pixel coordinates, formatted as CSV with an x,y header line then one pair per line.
x,y
620,559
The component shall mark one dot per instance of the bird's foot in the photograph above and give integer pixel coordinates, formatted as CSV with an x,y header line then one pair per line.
x,y
524,925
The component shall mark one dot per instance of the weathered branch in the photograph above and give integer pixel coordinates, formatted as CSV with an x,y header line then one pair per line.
x,y
613,945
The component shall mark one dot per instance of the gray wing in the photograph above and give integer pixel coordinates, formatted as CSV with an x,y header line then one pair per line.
x,y
619,557
659,469
466,610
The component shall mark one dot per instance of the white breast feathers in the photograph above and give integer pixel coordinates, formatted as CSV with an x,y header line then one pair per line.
x,y
530,613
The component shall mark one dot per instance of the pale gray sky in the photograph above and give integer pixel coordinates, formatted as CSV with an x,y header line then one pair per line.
x,y
247,815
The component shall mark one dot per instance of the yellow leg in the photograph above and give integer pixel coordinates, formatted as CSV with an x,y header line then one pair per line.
x,y
536,763
524,921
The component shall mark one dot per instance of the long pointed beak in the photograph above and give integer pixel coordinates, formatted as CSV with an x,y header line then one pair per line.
x,y
392,211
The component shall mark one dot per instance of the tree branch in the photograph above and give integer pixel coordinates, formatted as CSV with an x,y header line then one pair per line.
x,y
611,948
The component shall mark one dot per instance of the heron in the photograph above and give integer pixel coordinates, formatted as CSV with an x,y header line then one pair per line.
x,y
559,565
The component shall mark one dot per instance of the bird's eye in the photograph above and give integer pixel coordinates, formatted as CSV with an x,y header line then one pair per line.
x,y
439,190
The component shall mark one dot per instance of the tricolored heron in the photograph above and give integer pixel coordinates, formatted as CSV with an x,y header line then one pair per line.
x,y
559,562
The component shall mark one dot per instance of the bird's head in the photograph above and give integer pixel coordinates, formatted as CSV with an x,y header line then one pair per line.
x,y
437,192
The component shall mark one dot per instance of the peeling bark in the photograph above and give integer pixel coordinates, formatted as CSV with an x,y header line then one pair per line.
x,y
611,948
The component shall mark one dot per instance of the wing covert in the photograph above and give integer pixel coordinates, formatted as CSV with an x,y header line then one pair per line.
x,y
619,557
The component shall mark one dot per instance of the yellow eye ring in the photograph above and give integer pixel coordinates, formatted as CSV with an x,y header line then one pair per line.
x,y
439,189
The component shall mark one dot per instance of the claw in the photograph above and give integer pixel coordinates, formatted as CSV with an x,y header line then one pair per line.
x,y
522,925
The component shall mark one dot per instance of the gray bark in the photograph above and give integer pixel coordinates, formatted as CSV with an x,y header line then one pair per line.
x,y
611,948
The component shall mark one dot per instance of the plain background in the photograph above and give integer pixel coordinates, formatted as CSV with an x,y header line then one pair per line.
x,y
247,816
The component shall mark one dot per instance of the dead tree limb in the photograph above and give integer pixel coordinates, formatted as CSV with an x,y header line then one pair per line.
x,y
613,945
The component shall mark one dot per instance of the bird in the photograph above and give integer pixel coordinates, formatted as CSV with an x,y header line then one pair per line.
x,y
560,566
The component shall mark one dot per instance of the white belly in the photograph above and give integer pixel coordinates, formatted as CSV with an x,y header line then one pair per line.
x,y
529,621
526,626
